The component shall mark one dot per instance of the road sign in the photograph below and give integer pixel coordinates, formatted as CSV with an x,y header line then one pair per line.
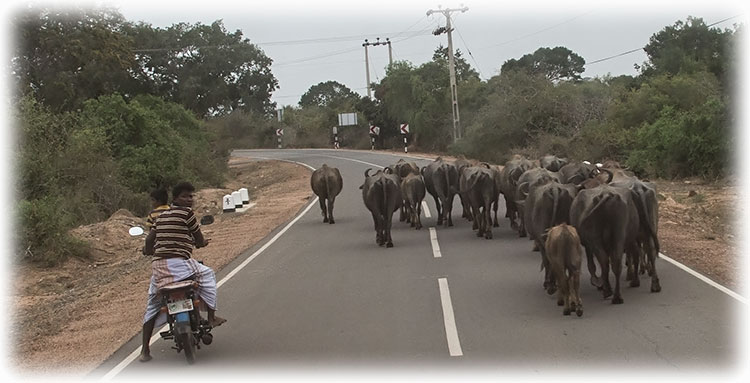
x,y
374,130
404,128
347,119
279,132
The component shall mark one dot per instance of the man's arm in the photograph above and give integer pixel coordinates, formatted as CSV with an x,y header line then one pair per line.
x,y
148,249
200,241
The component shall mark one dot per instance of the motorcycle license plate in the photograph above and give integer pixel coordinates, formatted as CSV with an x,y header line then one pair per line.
x,y
180,306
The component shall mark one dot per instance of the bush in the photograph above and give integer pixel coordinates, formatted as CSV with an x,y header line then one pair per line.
x,y
44,234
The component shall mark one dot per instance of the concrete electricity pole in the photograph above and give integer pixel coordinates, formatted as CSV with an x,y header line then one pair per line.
x,y
457,133
367,60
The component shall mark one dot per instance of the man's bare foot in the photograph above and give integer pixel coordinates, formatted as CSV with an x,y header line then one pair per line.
x,y
216,321
145,357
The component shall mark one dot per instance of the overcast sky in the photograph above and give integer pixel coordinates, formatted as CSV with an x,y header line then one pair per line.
x,y
316,41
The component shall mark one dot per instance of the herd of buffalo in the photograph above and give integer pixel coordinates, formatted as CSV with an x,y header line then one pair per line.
x,y
561,205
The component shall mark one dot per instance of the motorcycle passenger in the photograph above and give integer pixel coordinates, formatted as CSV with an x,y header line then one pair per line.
x,y
159,205
171,243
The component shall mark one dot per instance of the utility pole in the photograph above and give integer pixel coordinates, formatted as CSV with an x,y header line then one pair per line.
x,y
457,133
367,60
367,69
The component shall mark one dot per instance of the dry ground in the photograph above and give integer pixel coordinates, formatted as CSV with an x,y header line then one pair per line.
x,y
94,305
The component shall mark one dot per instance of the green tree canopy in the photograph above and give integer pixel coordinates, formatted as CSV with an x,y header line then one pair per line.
x,y
203,67
557,64
66,57
688,47
331,94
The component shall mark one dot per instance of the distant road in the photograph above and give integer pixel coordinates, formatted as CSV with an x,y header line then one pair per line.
x,y
327,296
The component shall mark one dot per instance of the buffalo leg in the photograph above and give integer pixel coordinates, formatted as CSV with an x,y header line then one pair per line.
x,y
616,262
495,203
439,210
448,208
604,263
387,222
418,215
575,283
487,220
376,218
323,208
330,211
595,280
652,254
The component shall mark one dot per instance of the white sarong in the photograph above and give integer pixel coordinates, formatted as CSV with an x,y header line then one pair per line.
x,y
167,270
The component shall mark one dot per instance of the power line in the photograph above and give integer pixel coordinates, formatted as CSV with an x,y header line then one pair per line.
x,y
638,49
468,50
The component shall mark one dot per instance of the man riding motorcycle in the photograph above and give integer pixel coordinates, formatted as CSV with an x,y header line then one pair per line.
x,y
171,242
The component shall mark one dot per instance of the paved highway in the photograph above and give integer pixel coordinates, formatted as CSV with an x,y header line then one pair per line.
x,y
326,295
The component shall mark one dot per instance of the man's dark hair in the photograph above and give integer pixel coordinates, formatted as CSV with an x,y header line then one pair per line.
x,y
160,195
182,187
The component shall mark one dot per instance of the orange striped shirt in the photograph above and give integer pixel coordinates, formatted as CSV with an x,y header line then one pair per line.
x,y
174,233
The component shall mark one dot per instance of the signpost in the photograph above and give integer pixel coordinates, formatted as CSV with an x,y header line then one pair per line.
x,y
279,133
404,128
374,133
335,138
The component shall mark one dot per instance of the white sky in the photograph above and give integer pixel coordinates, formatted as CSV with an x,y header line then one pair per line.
x,y
493,31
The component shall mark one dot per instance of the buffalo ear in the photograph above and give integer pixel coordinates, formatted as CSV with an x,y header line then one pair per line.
x,y
361,186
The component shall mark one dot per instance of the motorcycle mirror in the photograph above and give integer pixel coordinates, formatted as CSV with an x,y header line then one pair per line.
x,y
207,219
135,231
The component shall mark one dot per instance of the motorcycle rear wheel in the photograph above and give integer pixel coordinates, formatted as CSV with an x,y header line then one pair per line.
x,y
188,345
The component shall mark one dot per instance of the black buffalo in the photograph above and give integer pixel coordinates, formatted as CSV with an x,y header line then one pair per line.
x,y
441,181
381,194
326,183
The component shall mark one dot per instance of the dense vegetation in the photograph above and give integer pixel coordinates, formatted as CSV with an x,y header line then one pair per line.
x,y
108,109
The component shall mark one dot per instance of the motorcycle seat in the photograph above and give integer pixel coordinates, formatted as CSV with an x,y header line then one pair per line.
x,y
179,285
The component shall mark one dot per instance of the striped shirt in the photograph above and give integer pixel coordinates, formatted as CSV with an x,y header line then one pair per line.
x,y
174,233
151,219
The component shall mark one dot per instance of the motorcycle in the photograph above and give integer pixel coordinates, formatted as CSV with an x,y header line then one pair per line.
x,y
182,306
186,326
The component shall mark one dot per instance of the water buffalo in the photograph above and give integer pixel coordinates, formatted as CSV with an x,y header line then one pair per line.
x,y
509,182
577,172
644,197
478,185
441,181
564,251
381,194
326,183
547,205
552,163
401,169
413,192
530,178
607,222
462,163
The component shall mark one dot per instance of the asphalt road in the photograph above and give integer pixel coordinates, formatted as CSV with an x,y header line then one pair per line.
x,y
327,296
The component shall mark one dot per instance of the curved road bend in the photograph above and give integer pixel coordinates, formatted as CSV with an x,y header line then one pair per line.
x,y
328,295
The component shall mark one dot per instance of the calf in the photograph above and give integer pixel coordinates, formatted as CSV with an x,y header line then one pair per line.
x,y
563,247
413,192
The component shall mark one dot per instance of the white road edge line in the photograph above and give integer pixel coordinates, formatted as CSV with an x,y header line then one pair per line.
x,y
133,355
451,333
426,209
435,245
705,279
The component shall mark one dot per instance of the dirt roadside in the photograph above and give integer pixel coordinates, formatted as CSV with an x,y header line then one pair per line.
x,y
95,305
88,305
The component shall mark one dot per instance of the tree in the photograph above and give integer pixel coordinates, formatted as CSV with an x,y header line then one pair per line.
x,y
689,47
203,67
330,94
66,57
556,64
